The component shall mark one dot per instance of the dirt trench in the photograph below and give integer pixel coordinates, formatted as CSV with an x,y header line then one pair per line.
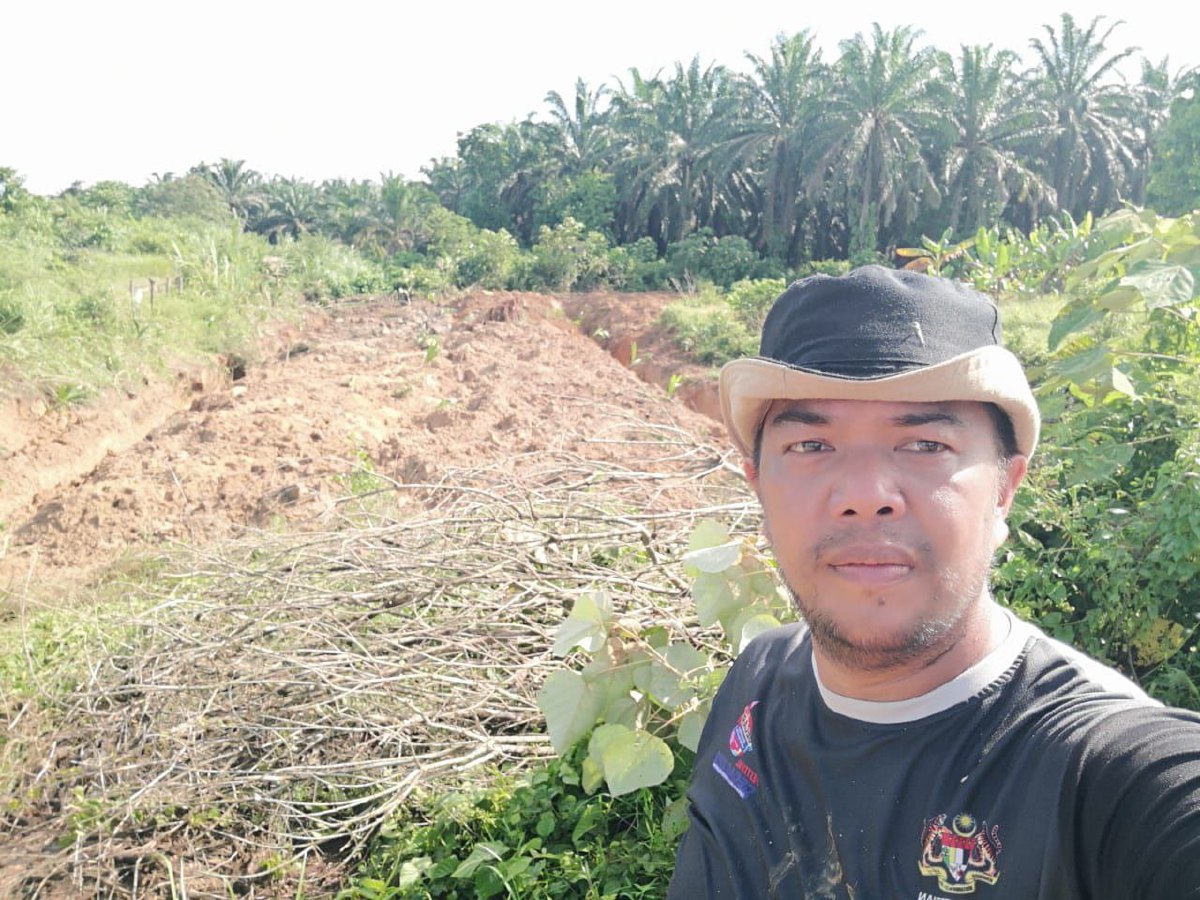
x,y
368,387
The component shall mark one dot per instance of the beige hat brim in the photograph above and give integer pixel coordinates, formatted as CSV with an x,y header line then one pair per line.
x,y
987,375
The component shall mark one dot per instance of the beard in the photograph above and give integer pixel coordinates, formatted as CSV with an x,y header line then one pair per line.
x,y
926,639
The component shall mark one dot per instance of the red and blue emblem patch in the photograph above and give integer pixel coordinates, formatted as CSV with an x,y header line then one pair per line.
x,y
734,769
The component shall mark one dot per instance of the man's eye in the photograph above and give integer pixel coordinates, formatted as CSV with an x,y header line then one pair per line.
x,y
926,446
807,447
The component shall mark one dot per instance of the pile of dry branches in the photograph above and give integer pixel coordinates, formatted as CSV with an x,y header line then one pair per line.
x,y
285,694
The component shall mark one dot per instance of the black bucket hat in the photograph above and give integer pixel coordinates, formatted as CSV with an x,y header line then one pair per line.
x,y
878,334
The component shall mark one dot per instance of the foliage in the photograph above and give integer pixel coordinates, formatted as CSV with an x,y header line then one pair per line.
x,y
538,836
567,257
703,256
1108,528
1175,172
645,686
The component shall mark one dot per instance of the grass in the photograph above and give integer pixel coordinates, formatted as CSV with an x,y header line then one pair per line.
x,y
71,327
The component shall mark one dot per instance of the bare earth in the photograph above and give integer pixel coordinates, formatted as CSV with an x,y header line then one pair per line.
x,y
405,391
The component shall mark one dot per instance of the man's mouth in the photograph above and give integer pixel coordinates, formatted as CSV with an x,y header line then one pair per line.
x,y
874,565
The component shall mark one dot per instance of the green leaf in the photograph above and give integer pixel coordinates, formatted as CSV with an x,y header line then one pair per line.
x,y
488,882
691,726
1085,365
712,559
587,625
545,824
412,871
630,759
593,775
1120,298
1075,316
709,533
484,852
755,626
675,818
714,597
1122,384
570,706
1098,462
1162,284
592,816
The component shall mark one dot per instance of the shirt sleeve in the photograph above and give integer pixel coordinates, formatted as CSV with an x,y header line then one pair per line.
x,y
1138,807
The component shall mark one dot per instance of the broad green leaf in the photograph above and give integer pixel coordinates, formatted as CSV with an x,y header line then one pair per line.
x,y
622,711
709,533
712,559
667,687
570,707
1122,384
1097,463
675,818
412,871
484,852
1119,227
714,597
593,775
691,725
488,882
1086,365
587,625
1075,316
1120,298
631,759
592,816
1161,284
757,625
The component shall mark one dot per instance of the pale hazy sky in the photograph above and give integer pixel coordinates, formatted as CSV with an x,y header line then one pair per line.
x,y
125,88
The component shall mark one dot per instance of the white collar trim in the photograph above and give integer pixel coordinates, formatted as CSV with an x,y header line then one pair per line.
x,y
958,690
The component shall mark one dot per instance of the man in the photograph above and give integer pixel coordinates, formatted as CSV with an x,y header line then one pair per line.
x,y
912,739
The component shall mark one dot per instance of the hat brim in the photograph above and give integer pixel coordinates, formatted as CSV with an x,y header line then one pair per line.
x,y
986,375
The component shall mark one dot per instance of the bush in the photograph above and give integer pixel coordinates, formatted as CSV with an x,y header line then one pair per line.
x,y
541,835
567,257
709,329
719,260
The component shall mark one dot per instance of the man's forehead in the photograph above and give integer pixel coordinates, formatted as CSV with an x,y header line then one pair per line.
x,y
897,412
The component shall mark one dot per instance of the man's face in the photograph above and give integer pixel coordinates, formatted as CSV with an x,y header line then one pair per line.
x,y
884,517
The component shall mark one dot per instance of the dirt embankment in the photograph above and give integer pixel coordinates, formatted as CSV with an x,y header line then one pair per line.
x,y
372,386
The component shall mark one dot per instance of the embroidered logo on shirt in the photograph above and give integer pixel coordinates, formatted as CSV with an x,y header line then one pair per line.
x,y
961,853
741,739
732,767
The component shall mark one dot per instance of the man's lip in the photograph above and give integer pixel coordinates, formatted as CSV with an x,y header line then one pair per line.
x,y
867,556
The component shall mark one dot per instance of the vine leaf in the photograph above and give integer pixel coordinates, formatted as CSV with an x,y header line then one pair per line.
x,y
570,706
714,597
587,625
630,759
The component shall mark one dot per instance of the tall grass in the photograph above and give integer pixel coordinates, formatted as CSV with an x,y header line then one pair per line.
x,y
77,314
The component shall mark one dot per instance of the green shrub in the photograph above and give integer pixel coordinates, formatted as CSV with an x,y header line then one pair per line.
x,y
702,256
568,257
709,329
537,836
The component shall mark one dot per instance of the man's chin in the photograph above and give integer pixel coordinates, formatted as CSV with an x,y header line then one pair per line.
x,y
875,650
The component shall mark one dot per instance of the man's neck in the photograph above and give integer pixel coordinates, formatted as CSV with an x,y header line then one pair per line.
x,y
981,631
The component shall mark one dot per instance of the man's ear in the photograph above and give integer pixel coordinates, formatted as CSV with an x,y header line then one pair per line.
x,y
751,472
1011,477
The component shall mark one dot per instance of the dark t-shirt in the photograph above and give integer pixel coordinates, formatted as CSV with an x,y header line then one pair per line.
x,y
1037,773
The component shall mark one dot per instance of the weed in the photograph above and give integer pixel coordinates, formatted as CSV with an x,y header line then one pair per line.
x,y
673,384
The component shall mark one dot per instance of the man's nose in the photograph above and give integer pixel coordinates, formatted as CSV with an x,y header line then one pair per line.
x,y
867,487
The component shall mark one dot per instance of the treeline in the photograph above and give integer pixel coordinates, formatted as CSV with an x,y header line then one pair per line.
x,y
798,159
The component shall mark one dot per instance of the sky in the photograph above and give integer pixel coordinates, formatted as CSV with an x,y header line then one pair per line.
x,y
125,89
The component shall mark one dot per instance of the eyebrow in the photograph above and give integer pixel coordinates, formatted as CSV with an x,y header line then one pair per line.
x,y
908,420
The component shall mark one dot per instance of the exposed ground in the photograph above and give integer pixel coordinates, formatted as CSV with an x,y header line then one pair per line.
x,y
501,427
406,391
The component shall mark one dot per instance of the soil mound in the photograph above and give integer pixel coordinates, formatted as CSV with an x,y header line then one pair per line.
x,y
371,391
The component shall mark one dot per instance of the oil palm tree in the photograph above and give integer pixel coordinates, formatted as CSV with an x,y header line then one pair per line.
x,y
781,113
880,117
1090,152
987,122
581,128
